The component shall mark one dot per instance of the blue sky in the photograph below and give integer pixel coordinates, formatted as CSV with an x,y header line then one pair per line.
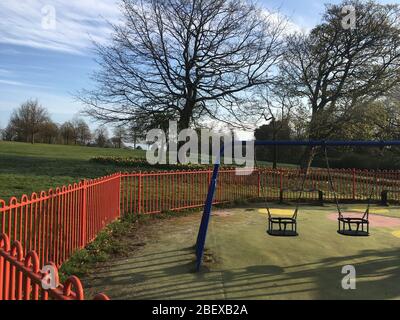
x,y
50,62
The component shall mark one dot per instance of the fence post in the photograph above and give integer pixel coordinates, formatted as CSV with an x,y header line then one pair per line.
x,y
209,181
139,197
259,183
84,214
354,184
119,193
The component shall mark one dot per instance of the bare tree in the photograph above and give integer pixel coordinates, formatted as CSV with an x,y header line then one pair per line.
x,y
48,132
384,116
135,133
185,59
9,133
27,120
277,109
67,132
334,69
119,135
142,122
101,136
82,134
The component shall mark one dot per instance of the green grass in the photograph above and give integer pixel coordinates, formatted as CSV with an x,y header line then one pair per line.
x,y
108,243
243,262
117,240
27,168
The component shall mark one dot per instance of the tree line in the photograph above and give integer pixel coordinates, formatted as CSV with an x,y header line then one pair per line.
x,y
237,63
32,123
234,61
378,120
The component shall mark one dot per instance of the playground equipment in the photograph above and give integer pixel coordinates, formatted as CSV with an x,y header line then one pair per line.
x,y
361,222
345,224
286,226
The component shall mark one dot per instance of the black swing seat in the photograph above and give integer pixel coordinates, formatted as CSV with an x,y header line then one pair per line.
x,y
356,227
287,227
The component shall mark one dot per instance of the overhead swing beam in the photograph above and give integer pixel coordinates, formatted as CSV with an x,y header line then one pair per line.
x,y
201,237
327,143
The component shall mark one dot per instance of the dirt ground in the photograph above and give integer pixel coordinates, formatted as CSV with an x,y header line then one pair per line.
x,y
243,262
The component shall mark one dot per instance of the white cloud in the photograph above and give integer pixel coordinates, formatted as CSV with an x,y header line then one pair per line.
x,y
289,25
20,84
4,71
11,83
78,22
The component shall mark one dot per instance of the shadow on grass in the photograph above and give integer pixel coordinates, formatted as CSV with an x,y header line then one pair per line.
x,y
51,166
169,275
23,175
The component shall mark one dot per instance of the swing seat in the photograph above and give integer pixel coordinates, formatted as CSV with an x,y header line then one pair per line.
x,y
355,227
287,227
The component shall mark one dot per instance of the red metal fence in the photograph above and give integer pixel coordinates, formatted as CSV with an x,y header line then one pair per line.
x,y
22,279
155,192
58,222
349,184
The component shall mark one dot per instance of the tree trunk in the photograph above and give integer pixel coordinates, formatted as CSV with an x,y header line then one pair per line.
x,y
184,122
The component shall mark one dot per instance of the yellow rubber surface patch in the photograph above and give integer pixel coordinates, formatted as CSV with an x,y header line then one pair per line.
x,y
278,212
371,210
396,233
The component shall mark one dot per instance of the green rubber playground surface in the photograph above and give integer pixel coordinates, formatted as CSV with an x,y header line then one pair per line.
x,y
243,262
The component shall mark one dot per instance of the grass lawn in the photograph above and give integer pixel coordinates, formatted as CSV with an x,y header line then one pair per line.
x,y
243,262
27,168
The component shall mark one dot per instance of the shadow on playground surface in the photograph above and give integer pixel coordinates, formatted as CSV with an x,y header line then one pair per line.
x,y
243,262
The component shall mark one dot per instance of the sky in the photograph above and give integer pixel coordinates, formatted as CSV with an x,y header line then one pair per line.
x,y
46,48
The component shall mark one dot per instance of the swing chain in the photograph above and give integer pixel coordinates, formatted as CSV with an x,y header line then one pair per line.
x,y
366,214
375,184
301,190
330,179
303,184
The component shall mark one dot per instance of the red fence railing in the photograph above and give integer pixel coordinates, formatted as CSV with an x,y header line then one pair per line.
x,y
58,222
155,192
22,279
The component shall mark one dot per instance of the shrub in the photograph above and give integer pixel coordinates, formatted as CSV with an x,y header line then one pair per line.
x,y
143,164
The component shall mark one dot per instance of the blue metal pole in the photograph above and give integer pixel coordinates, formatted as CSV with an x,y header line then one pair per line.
x,y
201,237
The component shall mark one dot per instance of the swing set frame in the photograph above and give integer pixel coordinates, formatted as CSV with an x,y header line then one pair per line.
x,y
202,234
